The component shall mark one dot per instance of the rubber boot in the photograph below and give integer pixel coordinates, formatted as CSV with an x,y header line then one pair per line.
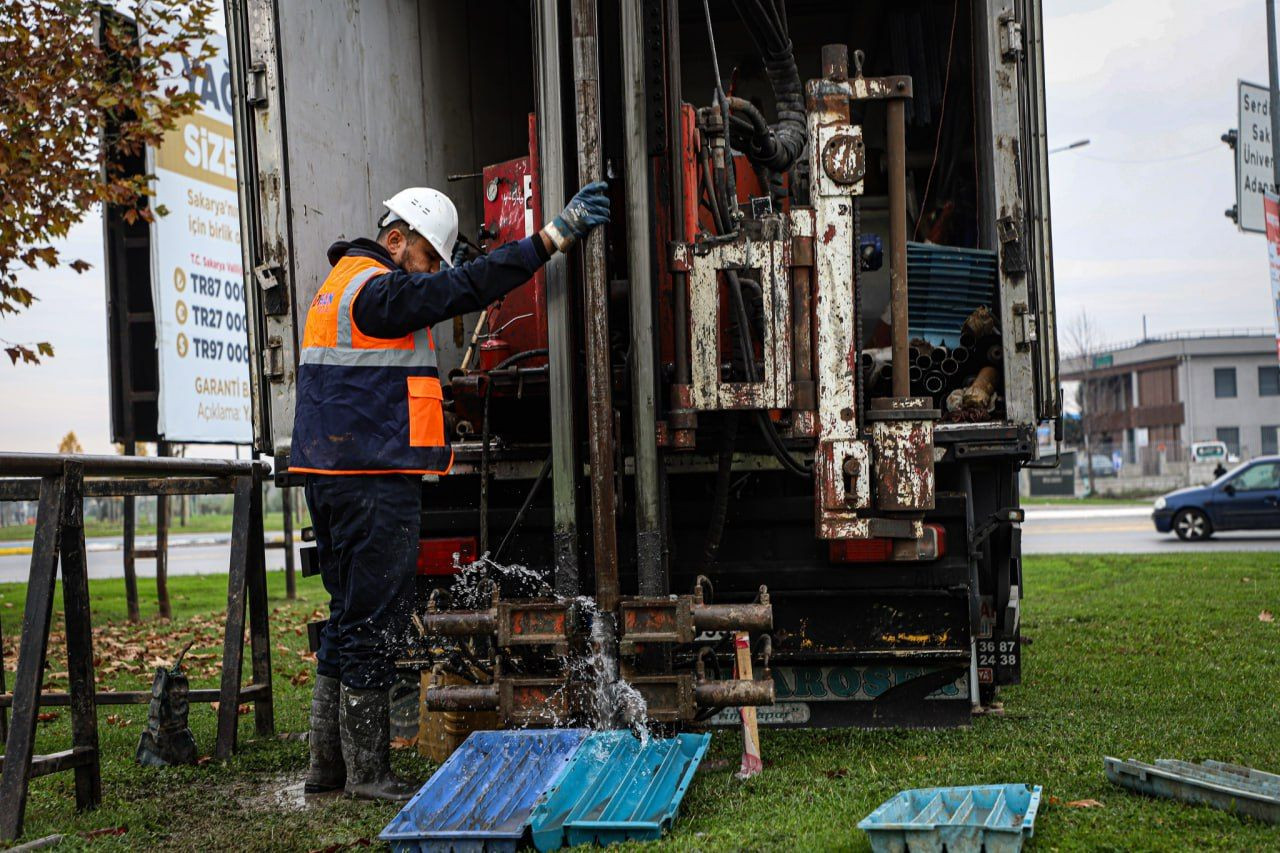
x,y
327,771
364,719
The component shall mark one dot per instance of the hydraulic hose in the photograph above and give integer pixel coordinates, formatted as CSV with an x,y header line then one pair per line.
x,y
778,146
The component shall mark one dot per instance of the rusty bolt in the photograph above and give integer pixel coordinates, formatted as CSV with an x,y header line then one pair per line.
x,y
852,467
846,414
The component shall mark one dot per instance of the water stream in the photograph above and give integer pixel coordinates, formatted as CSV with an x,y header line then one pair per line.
x,y
611,703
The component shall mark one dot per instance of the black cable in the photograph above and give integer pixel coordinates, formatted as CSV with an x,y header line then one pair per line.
x,y
528,501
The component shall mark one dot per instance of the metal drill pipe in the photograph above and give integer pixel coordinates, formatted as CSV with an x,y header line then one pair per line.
x,y
733,694
733,617
459,623
464,697
564,452
644,386
586,91
897,141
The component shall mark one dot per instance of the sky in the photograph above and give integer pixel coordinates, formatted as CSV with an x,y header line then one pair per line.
x,y
1138,223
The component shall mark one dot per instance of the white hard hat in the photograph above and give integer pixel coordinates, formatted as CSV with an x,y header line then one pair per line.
x,y
430,213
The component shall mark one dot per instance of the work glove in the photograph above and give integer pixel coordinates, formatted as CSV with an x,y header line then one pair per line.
x,y
587,210
461,253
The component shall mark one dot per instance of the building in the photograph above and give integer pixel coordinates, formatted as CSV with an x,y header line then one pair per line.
x,y
1151,399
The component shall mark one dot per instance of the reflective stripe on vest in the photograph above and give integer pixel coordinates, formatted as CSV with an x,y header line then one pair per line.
x,y
343,354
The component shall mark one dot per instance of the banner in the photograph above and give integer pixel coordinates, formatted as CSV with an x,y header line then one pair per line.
x,y
1271,209
196,276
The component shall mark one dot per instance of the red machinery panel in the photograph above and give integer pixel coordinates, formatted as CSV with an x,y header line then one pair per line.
x,y
512,211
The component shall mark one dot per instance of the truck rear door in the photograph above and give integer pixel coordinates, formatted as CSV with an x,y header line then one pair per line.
x,y
331,120
1040,237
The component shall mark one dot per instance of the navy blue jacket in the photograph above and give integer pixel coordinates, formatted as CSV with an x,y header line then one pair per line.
x,y
399,303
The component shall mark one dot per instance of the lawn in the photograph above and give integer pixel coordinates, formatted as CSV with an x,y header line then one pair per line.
x,y
1141,657
1091,500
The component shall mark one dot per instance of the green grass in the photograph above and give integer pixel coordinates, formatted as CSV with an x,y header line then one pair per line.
x,y
211,523
1142,657
1092,500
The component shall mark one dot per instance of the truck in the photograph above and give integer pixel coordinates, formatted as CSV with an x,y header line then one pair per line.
x,y
782,400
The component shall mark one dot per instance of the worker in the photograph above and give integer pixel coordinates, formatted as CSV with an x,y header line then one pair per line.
x,y
369,424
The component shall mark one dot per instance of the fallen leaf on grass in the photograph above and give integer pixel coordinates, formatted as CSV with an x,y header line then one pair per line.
x,y
244,709
838,773
1266,616
1054,801
117,720
303,676
404,742
47,716
1085,804
203,760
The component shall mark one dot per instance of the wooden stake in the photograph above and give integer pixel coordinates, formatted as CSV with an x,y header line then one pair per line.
x,y
751,762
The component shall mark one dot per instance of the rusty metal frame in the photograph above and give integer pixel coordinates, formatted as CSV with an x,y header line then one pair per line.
x,y
770,253
58,481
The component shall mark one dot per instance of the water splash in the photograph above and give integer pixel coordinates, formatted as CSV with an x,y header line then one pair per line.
x,y
610,702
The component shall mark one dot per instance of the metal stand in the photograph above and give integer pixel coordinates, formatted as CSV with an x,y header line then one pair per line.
x,y
59,535
286,510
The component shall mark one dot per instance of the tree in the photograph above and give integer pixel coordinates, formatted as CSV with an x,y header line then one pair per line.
x,y
1085,343
70,444
83,89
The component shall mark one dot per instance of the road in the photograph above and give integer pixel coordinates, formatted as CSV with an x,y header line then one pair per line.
x,y
1122,530
188,555
1047,530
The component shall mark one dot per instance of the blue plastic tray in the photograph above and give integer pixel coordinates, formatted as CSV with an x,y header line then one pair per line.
x,y
994,818
1229,787
616,790
481,798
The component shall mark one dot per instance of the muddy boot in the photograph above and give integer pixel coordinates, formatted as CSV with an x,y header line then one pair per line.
x,y
366,747
327,772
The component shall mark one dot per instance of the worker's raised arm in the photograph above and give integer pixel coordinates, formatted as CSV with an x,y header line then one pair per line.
x,y
399,303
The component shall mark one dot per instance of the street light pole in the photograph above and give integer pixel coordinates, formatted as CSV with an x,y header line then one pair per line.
x,y
1274,107
1079,143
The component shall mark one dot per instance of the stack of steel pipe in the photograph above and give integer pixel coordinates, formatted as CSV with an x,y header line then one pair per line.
x,y
937,370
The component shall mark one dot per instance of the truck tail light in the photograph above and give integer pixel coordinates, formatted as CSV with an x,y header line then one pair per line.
x,y
861,550
435,556
933,545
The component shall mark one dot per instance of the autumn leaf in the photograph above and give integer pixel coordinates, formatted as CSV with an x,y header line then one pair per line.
x,y
404,742
1085,804
1266,616
47,716
85,93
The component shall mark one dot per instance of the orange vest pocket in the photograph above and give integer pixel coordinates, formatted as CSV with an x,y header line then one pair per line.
x,y
426,412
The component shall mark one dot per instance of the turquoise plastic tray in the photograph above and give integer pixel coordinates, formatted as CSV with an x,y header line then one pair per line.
x,y
994,818
615,790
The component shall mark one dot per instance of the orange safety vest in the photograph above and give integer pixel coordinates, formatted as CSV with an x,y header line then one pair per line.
x,y
365,405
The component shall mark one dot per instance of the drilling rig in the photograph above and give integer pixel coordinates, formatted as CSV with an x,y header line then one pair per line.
x,y
787,392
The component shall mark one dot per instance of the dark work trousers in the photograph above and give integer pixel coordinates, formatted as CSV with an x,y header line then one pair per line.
x,y
366,529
